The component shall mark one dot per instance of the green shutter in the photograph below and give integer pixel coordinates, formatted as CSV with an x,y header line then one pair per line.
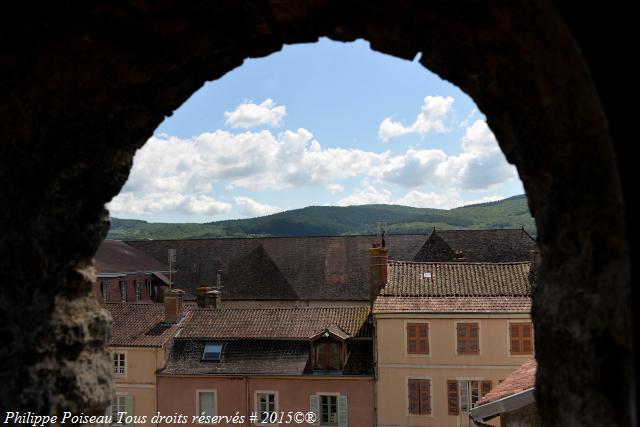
x,y
343,412
129,408
314,406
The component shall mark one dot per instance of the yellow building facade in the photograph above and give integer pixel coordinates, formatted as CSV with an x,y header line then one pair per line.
x,y
446,333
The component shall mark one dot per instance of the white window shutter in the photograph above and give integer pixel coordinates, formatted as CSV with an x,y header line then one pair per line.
x,y
129,408
314,406
343,411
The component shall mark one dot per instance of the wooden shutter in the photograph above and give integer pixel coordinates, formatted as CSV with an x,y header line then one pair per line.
x,y
425,396
423,338
515,338
412,338
343,411
462,338
129,408
314,406
485,387
527,338
414,396
452,397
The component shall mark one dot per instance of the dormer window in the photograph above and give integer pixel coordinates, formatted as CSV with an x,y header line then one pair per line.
x,y
212,352
329,352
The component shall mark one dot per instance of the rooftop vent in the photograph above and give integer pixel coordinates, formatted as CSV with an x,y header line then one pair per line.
x,y
426,275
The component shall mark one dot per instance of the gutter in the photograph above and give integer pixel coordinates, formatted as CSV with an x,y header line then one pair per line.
x,y
506,404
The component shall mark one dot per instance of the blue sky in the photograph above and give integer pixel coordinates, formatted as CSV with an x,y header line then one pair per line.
x,y
327,123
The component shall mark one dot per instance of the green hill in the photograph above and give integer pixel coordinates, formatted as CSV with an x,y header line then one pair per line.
x,y
334,220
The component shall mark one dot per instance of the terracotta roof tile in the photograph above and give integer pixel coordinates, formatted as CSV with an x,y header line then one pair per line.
x,y
139,325
523,378
458,279
274,323
452,304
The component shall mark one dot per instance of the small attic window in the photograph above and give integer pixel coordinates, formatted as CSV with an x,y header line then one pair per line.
x,y
212,352
426,275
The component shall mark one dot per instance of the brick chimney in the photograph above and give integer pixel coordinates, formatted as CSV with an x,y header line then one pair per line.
x,y
173,306
213,299
378,270
201,294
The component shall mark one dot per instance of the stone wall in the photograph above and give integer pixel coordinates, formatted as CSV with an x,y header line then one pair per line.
x,y
84,84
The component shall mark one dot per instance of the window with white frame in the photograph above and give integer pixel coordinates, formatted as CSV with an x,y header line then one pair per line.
x,y
328,410
119,364
136,284
104,287
123,290
206,402
118,405
331,409
266,402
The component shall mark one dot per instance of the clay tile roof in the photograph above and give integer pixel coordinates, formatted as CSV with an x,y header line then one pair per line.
x,y
274,323
114,256
523,378
139,325
452,304
308,268
458,279
489,245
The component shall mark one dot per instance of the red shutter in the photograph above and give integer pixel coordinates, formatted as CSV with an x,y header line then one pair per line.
x,y
485,387
414,396
462,335
412,338
452,397
515,338
425,396
527,339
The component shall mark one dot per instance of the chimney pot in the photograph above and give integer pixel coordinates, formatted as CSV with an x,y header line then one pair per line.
x,y
201,295
173,305
378,270
214,299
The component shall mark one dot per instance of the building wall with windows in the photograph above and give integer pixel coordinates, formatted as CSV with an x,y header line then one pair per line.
x,y
437,386
353,396
446,333
140,342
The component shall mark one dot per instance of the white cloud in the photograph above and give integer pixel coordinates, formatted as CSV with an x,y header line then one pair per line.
x,y
430,119
248,114
482,165
365,196
131,204
448,200
251,208
334,188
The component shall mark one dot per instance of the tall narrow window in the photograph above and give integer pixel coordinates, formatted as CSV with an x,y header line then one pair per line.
x,y
119,365
206,403
417,338
468,338
118,405
328,410
123,290
147,285
266,408
462,395
136,284
104,287
521,338
419,396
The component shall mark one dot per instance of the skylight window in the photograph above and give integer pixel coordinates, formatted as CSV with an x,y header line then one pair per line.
x,y
426,275
212,352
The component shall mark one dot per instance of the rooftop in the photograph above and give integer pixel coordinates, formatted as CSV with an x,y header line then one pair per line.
x,y
274,323
139,325
458,279
523,378
114,256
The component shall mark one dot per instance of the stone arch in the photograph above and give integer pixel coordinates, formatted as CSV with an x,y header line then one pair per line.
x,y
84,86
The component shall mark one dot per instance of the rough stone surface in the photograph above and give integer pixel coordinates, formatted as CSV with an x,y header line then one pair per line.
x,y
84,84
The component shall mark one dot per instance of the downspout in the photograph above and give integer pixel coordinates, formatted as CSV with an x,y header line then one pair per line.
x,y
246,403
375,369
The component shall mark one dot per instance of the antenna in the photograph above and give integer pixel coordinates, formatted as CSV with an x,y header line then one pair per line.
x,y
382,230
219,280
172,260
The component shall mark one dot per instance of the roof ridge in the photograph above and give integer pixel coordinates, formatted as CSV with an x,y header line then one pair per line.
x,y
459,262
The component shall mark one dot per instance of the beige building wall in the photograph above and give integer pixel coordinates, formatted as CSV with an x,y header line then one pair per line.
x,y
395,366
139,380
